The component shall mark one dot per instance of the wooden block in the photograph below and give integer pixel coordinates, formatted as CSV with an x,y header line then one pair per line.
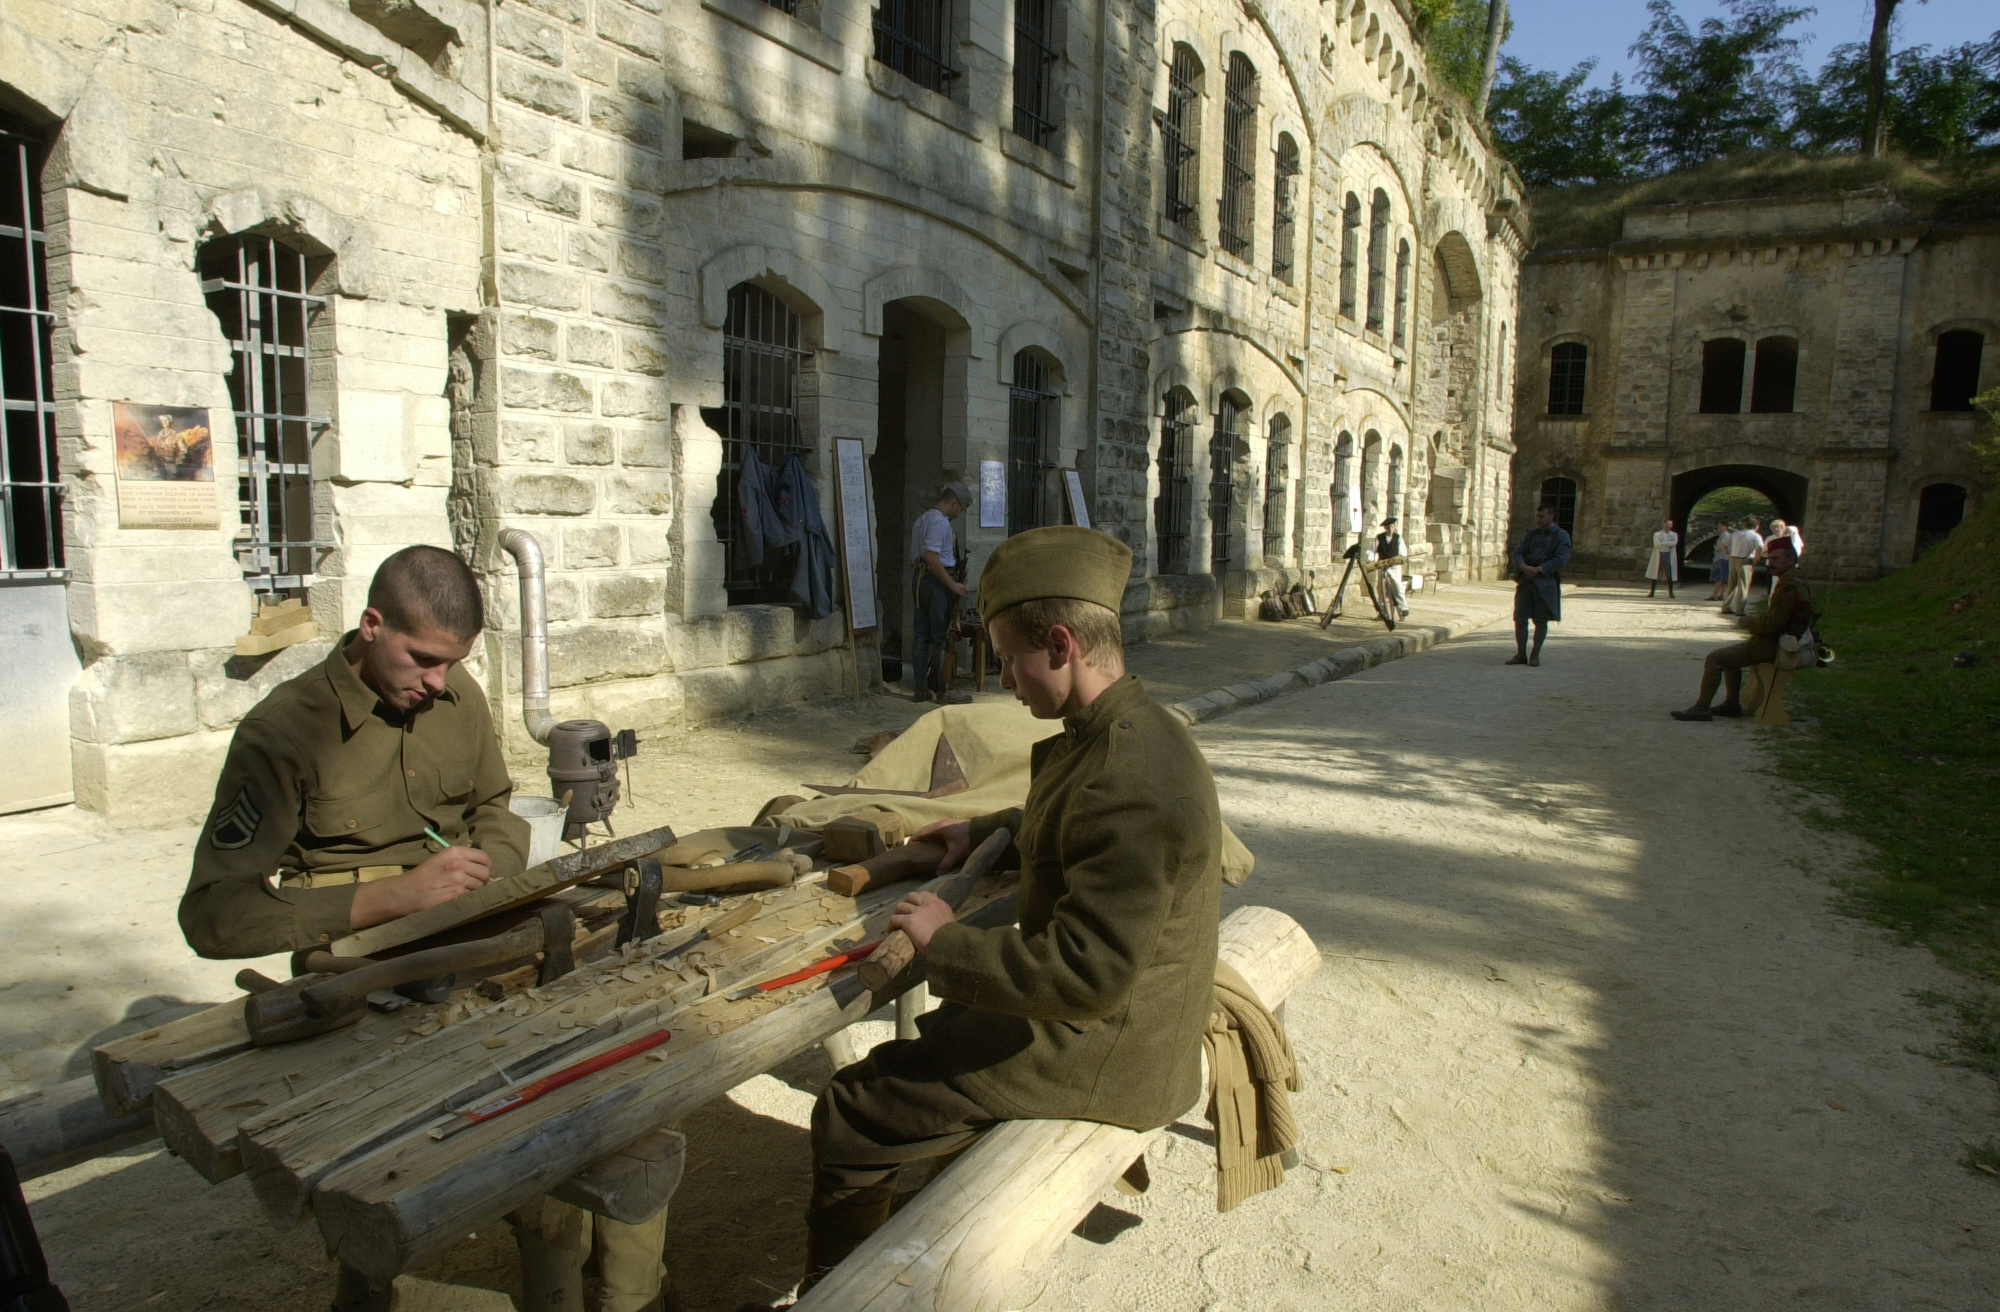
x,y
862,835
261,644
127,1069
271,619
632,1184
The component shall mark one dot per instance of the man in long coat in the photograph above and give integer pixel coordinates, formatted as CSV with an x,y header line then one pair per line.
x,y
1537,567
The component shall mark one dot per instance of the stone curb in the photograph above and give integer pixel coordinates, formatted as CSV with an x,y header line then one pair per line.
x,y
1405,641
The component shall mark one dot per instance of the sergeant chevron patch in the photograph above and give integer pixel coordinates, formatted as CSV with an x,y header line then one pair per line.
x,y
237,824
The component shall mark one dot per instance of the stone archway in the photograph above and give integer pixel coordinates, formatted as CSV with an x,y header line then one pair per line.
x,y
1786,490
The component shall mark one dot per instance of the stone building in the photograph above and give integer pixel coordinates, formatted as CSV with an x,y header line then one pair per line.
x,y
437,268
1822,350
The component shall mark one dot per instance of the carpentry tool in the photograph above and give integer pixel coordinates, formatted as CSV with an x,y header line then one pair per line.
x,y
720,925
820,967
917,859
527,1093
897,951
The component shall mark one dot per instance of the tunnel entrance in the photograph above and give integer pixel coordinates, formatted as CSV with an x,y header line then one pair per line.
x,y
1784,493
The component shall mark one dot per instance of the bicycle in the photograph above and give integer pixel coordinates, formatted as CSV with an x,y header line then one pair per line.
x,y
1374,576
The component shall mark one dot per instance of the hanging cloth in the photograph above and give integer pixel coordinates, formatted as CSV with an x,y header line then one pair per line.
x,y
760,527
812,565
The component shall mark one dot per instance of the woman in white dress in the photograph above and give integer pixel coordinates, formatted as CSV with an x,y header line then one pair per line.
x,y
1663,561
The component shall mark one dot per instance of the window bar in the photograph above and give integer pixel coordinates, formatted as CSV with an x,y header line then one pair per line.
x,y
1177,137
1402,292
1283,220
1350,232
1239,180
1221,484
1030,430
1277,460
1378,258
31,489
912,36
760,365
1175,506
1034,70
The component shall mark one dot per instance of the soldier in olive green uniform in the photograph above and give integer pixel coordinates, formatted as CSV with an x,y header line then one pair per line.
x,y
1095,1006
1789,611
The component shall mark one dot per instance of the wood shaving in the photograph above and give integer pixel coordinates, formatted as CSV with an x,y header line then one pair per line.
x,y
495,1042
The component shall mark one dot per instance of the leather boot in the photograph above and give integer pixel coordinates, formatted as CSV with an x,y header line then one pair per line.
x,y
835,1230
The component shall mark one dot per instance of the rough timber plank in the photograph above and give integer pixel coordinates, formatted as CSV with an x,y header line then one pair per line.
x,y
127,1069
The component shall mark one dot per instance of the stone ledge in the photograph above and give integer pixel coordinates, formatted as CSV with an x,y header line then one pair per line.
x,y
779,27
1042,160
334,26
931,104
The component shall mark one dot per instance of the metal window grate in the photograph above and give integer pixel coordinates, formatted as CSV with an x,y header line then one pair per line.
x,y
1350,237
761,356
30,480
1277,461
787,6
257,289
1031,429
1568,362
1402,293
1378,258
1180,138
1561,493
1221,484
1235,212
1034,70
1284,222
1173,510
914,38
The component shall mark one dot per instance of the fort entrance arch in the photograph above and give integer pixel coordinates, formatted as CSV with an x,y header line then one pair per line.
x,y
1786,490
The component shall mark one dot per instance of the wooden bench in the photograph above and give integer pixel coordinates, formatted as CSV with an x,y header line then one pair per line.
x,y
1765,696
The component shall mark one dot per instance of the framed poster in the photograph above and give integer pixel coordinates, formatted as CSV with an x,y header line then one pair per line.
x,y
992,494
1079,513
165,465
857,542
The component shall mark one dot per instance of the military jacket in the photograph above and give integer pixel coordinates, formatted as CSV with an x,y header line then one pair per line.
x,y
1094,1007
322,778
1789,611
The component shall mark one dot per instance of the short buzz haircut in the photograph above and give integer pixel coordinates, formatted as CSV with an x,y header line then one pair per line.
x,y
1549,506
428,587
1095,627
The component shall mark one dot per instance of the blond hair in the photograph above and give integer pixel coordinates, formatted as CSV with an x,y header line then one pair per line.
x,y
1094,627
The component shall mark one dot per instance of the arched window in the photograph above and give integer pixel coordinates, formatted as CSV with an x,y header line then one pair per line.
x,y
1277,469
1180,138
1940,507
1221,482
915,38
1284,222
1350,240
1031,436
1395,506
1722,376
758,420
1239,156
31,532
1561,493
1343,485
1402,293
1173,509
1775,376
260,290
1569,366
1378,258
1955,371
1035,70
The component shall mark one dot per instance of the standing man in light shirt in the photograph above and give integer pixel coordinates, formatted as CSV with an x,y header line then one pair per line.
x,y
1744,546
933,555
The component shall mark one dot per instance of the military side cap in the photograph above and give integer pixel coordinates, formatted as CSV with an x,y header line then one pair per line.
x,y
1061,560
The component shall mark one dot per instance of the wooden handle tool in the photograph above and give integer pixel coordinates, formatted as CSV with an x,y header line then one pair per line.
x,y
722,924
916,859
897,951
349,991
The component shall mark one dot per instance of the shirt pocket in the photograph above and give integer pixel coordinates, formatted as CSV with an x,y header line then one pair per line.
x,y
455,785
365,818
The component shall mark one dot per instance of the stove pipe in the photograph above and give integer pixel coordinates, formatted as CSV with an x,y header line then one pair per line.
x,y
527,554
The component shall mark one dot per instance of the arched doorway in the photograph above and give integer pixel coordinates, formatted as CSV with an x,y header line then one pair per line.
x,y
1785,493
1940,507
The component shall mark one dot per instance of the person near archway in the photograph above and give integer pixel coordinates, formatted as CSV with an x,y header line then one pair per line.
x,y
1537,567
934,555
1790,611
1389,546
1781,529
1664,561
1744,546
1718,565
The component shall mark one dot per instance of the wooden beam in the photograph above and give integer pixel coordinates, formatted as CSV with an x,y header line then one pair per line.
x,y
127,1069
978,1233
64,1124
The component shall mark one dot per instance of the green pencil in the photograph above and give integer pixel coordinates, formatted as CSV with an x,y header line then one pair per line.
x,y
435,836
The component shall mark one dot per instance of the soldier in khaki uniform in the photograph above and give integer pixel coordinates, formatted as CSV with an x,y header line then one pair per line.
x,y
318,829
1095,1006
1789,611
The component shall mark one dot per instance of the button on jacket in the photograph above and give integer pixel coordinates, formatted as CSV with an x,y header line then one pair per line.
x,y
321,777
1095,1006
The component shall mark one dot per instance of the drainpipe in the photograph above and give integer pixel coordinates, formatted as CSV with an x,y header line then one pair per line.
x,y
527,554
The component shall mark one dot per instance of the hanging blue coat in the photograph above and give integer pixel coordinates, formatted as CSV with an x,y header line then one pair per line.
x,y
759,525
798,507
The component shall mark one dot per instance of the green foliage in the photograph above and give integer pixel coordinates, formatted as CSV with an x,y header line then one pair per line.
x,y
1943,107
1555,130
1986,446
1454,37
1717,90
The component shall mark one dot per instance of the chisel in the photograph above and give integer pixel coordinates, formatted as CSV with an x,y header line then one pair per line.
x,y
527,1093
720,925
819,967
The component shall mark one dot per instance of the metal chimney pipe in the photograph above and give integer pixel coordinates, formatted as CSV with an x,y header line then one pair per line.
x,y
527,554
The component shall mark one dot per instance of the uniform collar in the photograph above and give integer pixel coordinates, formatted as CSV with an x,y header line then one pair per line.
x,y
357,700
1110,703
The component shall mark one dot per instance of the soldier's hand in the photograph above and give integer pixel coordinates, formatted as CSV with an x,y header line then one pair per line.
x,y
956,835
451,873
919,915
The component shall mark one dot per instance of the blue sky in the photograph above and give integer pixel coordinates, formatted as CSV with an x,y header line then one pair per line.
x,y
1557,34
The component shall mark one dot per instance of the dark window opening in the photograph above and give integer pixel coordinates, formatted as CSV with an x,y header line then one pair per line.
x,y
1722,376
1775,376
914,38
1569,363
1173,509
1940,508
258,289
1378,258
786,6
30,480
758,420
1180,138
1350,238
1955,373
1239,157
1561,492
1031,436
1221,484
1277,462
1402,293
698,142
1284,219
1035,70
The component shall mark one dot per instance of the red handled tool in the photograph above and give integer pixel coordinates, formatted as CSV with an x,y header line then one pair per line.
x,y
527,1093
819,967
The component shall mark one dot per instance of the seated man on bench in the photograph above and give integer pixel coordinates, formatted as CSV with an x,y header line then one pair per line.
x,y
1094,1007
1790,612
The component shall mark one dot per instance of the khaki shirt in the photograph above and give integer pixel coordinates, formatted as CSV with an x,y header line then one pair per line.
x,y
322,779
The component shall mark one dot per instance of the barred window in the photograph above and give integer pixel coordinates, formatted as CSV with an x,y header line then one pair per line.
x,y
1277,463
1239,156
1031,435
29,478
1569,363
759,424
1035,70
1221,483
1173,510
1561,493
1350,237
1378,258
260,292
1402,293
1180,138
914,38
787,6
1283,222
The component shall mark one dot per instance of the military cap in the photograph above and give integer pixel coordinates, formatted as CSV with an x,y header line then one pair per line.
x,y
956,489
1061,560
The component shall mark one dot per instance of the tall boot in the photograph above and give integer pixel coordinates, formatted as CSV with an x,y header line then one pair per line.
x,y
554,1239
837,1229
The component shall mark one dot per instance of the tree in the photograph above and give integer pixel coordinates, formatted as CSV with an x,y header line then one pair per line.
x,y
1719,91
1943,107
1496,32
1557,131
1874,132
1454,37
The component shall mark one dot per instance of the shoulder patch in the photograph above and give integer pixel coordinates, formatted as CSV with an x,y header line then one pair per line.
x,y
237,824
